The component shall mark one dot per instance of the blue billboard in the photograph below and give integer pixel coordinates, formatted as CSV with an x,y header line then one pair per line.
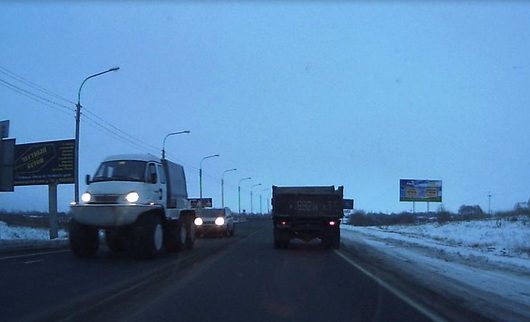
x,y
420,190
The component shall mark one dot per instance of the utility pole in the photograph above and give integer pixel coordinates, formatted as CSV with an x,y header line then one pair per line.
x,y
489,203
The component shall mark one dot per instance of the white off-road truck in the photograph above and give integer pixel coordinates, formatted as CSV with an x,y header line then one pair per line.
x,y
141,203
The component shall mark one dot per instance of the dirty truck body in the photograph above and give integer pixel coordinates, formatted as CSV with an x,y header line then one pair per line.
x,y
307,213
141,204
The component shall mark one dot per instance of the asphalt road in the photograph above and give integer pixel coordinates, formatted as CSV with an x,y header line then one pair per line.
x,y
223,279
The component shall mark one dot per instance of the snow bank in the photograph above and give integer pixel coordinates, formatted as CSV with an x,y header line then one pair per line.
x,y
26,233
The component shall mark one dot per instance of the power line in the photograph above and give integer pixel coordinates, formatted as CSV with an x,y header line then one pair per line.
x,y
119,130
29,83
108,128
121,137
37,98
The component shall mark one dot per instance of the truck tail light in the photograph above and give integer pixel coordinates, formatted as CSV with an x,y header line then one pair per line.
x,y
332,223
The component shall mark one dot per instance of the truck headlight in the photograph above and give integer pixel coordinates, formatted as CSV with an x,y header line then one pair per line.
x,y
219,221
198,221
86,197
132,197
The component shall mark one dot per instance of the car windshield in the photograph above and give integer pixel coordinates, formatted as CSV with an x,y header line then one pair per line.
x,y
121,171
211,213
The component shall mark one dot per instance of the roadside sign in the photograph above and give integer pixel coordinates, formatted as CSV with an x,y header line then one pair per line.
x,y
420,190
348,204
4,129
44,162
200,203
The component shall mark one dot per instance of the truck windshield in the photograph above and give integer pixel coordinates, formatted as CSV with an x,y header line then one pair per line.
x,y
212,213
124,170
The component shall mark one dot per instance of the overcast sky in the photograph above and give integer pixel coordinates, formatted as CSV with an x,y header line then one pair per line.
x,y
305,93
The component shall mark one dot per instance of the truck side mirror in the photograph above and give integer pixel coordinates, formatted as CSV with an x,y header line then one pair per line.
x,y
87,179
153,177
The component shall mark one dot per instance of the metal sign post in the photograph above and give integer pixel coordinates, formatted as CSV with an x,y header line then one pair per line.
x,y
7,160
52,201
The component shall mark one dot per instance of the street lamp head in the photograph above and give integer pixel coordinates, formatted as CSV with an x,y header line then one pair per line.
x,y
243,179
165,138
114,69
208,157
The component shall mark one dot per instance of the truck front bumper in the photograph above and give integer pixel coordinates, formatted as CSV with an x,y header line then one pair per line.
x,y
106,215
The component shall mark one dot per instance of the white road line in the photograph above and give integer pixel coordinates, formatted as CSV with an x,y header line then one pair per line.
x,y
33,254
33,261
420,308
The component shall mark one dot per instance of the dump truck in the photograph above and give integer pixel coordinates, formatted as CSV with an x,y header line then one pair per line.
x,y
140,202
307,213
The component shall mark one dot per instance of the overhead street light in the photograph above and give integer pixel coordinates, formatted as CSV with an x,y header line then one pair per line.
x,y
239,193
200,172
254,185
164,143
223,186
77,124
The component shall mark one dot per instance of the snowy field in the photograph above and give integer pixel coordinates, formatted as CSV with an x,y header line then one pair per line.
x,y
26,233
485,262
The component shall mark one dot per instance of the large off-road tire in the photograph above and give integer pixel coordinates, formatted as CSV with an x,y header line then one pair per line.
x,y
115,239
83,239
233,230
146,237
189,240
172,241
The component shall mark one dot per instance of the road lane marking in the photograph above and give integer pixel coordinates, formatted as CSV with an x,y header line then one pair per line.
x,y
33,261
33,254
405,298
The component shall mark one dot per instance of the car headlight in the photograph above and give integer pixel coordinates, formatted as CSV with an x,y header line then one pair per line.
x,y
219,221
132,197
198,221
86,197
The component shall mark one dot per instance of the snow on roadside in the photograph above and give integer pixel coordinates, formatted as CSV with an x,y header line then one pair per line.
x,y
504,243
26,233
482,261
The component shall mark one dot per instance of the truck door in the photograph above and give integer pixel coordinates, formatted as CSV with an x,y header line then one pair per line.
x,y
163,185
157,183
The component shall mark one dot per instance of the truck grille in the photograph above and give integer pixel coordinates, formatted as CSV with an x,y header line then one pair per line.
x,y
105,198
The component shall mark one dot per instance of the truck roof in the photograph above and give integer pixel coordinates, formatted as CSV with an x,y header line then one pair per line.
x,y
137,157
307,190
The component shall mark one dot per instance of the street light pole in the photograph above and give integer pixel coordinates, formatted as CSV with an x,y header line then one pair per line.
x,y
200,172
239,193
77,125
223,186
254,185
164,142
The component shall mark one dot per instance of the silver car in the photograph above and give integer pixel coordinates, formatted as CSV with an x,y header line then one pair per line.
x,y
214,221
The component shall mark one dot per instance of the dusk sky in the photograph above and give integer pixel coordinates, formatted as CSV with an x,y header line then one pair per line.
x,y
299,93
